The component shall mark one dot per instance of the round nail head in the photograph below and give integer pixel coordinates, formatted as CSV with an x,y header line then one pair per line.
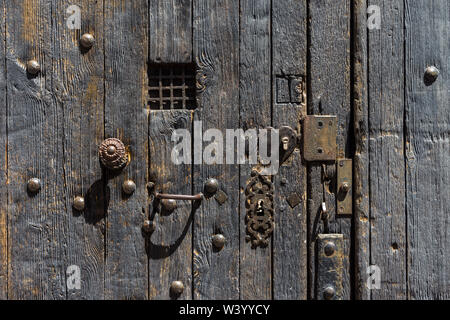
x,y
148,226
345,187
431,73
328,293
177,287
78,203
329,248
211,186
168,205
33,185
218,241
128,186
87,40
33,67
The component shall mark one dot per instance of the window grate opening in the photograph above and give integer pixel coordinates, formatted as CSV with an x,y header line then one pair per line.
x,y
171,86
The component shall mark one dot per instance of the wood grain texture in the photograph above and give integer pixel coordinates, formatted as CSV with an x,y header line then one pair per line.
x,y
126,118
290,249
170,31
77,76
216,52
254,113
329,94
36,253
427,127
361,158
3,162
170,246
386,163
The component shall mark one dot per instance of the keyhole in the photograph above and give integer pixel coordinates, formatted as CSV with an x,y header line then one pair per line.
x,y
285,141
259,208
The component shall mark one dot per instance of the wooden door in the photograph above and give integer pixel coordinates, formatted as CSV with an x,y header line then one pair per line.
x,y
159,68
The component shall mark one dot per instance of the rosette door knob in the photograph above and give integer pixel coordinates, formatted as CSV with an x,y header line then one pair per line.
x,y
112,154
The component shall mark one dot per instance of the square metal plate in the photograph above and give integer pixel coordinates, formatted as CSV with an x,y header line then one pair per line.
x,y
319,138
344,176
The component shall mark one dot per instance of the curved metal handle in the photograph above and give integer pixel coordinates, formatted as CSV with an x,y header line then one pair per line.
x,y
197,196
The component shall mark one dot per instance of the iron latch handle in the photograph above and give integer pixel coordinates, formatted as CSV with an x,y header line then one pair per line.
x,y
197,196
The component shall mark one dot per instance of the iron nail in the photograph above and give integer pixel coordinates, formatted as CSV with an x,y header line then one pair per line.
x,y
128,187
34,185
33,67
78,203
87,40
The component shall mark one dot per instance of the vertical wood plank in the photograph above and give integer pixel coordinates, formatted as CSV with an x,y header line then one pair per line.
x,y
255,113
126,118
35,146
78,87
289,41
3,162
170,246
427,125
329,78
361,158
170,32
216,51
386,163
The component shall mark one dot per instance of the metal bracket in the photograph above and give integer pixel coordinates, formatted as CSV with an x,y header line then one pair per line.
x,y
344,196
319,138
330,267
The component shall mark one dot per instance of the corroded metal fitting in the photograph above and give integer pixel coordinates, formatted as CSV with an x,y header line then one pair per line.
x,y
112,154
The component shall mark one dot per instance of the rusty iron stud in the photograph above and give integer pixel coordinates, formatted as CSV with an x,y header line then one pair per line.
x,y
128,187
112,154
34,185
345,187
78,203
329,248
177,287
328,293
149,226
33,67
87,40
218,241
211,186
168,205
431,73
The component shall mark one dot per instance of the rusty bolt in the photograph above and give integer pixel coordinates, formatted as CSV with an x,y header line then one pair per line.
x,y
128,187
218,241
33,67
78,203
211,186
34,185
87,40
345,187
328,293
329,248
431,73
168,205
148,226
177,287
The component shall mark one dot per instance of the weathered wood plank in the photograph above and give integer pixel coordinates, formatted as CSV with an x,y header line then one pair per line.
x,y
216,51
329,78
361,158
290,251
126,118
386,162
78,88
3,162
170,246
170,31
36,250
255,113
427,125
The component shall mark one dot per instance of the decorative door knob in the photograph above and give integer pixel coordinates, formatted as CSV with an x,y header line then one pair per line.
x,y
112,154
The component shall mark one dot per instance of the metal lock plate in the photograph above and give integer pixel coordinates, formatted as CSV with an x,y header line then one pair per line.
x,y
330,268
344,186
319,138
288,142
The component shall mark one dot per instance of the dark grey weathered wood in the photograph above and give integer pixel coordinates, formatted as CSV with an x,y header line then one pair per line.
x,y
126,118
170,31
216,52
289,42
255,113
427,148
329,78
3,163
